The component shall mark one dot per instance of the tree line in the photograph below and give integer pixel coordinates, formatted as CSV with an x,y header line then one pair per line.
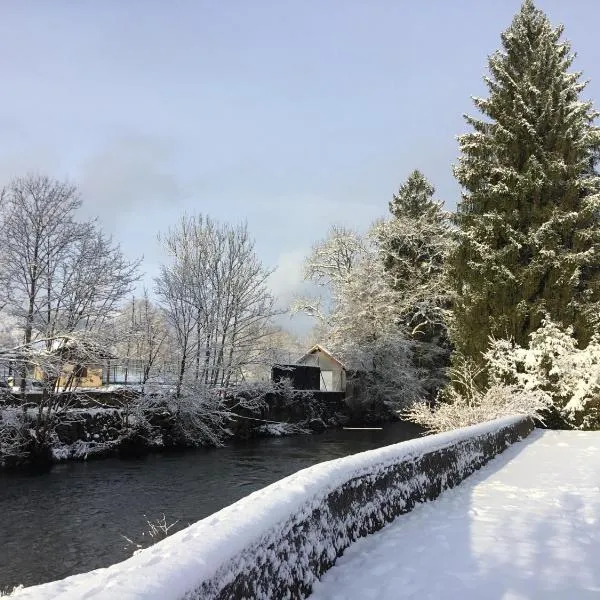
x,y
67,305
491,309
445,318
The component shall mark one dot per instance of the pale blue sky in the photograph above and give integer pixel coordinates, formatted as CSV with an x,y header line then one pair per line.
x,y
290,114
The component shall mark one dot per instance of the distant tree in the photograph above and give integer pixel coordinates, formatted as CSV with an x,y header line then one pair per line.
x,y
528,223
143,336
214,292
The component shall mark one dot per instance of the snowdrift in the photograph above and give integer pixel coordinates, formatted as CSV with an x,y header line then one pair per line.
x,y
276,542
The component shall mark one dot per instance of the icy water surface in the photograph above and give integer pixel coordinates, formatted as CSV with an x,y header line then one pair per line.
x,y
72,519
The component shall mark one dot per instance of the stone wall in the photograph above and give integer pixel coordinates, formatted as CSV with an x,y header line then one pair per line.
x,y
359,507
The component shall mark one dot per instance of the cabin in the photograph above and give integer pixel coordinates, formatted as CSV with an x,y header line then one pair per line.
x,y
333,371
76,376
82,364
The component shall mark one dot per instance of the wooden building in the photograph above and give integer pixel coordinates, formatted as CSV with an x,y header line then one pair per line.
x,y
333,371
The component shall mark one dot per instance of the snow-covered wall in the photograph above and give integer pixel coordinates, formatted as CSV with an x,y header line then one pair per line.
x,y
276,542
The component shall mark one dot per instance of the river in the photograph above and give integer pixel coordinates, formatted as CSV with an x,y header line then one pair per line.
x,y
73,518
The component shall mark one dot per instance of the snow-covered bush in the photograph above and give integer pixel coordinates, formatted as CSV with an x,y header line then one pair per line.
x,y
14,436
464,402
554,369
275,404
199,413
254,396
497,401
277,429
552,379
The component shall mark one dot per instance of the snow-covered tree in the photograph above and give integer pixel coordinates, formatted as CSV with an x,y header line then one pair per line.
x,y
214,292
528,223
38,228
376,320
333,258
330,265
414,245
553,368
387,299
65,275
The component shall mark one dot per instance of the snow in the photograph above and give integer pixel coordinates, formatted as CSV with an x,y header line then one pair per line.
x,y
527,525
257,524
82,450
280,429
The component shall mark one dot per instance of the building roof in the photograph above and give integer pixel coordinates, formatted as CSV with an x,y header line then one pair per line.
x,y
318,348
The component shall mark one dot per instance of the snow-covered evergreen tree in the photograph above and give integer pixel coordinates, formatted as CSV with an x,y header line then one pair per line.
x,y
414,246
528,223
414,197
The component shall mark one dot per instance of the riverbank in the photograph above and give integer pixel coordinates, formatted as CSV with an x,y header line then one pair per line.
x,y
123,427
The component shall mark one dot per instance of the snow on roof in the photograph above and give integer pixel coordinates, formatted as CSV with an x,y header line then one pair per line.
x,y
322,349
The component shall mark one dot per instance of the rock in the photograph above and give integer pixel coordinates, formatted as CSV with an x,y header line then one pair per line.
x,y
69,432
133,446
317,425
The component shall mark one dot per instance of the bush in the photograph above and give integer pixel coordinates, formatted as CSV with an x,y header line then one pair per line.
x,y
464,402
553,368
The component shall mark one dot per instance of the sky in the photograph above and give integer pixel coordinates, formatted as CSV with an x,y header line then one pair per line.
x,y
290,115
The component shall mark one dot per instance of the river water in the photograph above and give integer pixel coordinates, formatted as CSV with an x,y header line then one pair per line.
x,y
73,518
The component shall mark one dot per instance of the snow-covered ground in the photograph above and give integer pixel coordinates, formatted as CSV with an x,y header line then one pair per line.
x,y
526,526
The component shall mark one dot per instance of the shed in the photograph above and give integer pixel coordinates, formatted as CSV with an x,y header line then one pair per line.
x,y
82,363
333,371
303,377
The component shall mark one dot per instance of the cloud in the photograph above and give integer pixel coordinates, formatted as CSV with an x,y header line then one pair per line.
x,y
131,174
287,281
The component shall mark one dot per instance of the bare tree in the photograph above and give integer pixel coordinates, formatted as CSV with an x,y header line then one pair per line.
x,y
64,275
4,265
38,227
144,336
215,293
174,289
66,279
